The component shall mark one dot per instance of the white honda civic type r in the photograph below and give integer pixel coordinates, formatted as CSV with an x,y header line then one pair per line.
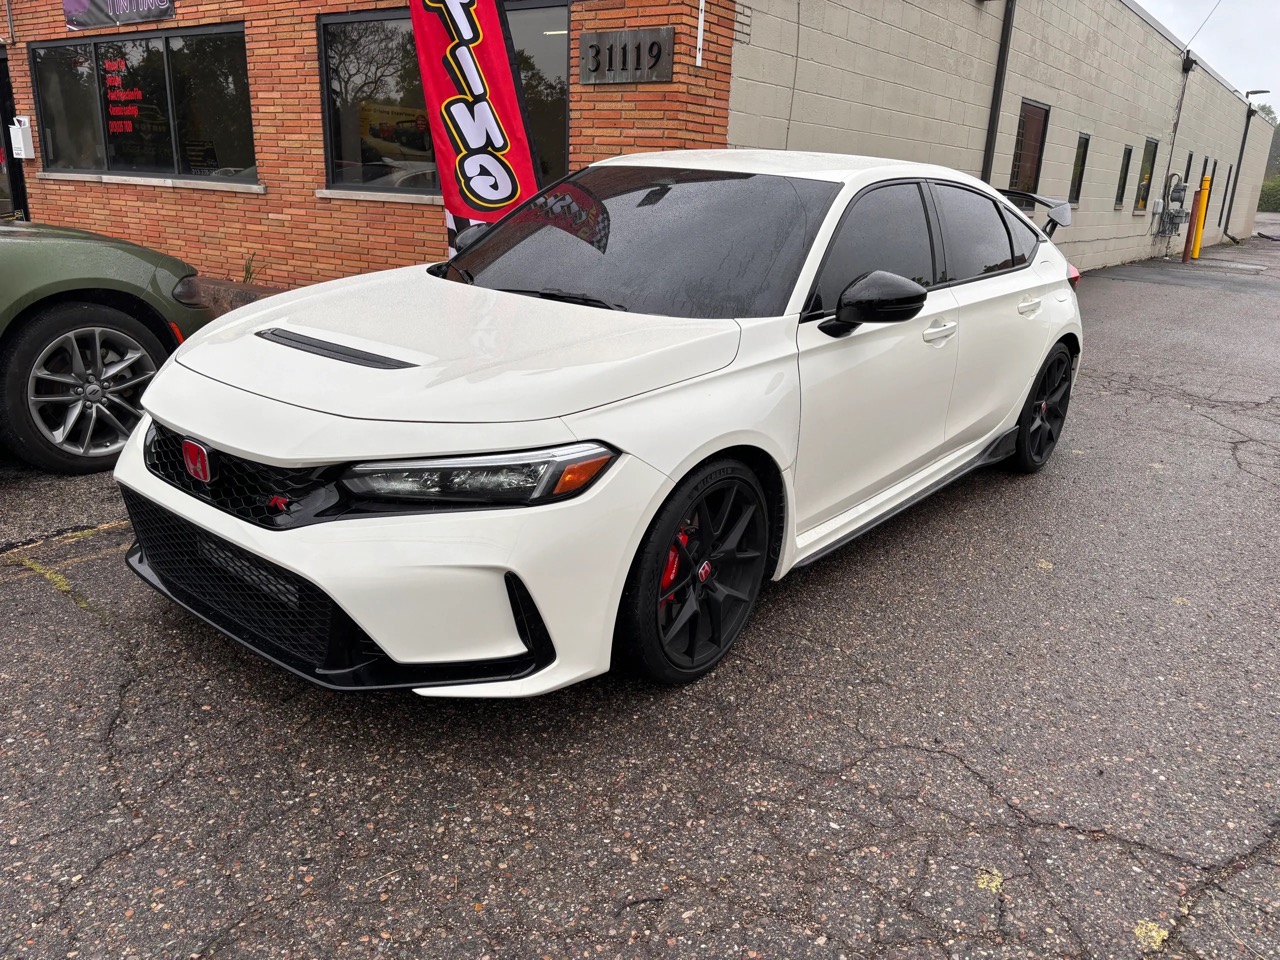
x,y
587,439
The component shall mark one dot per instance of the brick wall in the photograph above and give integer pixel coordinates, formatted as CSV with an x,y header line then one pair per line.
x,y
296,237
691,112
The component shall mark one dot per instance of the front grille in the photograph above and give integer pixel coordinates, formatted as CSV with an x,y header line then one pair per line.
x,y
241,487
294,622
237,591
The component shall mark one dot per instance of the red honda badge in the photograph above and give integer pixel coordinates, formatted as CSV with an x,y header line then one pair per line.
x,y
704,571
196,458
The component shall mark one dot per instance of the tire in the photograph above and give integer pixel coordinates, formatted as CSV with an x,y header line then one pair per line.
x,y
710,585
1040,426
73,378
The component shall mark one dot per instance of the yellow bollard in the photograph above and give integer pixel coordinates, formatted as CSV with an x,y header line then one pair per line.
x,y
1205,184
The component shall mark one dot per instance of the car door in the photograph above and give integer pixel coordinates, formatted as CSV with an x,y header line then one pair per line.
x,y
874,401
990,252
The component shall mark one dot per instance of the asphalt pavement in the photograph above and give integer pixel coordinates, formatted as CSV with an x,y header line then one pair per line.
x,y
1031,717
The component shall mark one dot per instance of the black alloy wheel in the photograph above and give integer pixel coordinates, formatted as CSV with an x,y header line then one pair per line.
x,y
697,575
1040,427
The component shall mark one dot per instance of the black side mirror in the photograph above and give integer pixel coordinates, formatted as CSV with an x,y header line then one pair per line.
x,y
467,237
876,297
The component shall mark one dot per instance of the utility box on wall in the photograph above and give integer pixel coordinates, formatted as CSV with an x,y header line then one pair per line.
x,y
20,139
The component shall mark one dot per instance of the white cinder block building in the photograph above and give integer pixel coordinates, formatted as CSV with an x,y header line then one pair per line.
x,y
1089,107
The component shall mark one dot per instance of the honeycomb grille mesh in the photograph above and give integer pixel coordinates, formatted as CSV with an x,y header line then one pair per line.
x,y
239,487
245,595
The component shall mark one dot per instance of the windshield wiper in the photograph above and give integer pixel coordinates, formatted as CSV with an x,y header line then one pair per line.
x,y
442,270
564,296
463,272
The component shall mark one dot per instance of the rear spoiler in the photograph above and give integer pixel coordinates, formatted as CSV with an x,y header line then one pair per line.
x,y
1059,210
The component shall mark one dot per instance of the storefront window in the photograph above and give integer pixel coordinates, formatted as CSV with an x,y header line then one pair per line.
x,y
106,106
541,38
376,120
211,106
136,105
70,131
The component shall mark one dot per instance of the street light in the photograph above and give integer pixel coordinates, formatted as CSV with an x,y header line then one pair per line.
x,y
1248,118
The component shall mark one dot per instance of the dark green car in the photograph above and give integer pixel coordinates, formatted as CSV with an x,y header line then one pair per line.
x,y
85,323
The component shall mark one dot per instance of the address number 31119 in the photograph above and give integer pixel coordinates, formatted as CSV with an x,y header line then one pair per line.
x,y
627,56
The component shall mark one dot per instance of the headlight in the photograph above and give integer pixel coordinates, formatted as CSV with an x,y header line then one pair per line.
x,y
188,291
538,476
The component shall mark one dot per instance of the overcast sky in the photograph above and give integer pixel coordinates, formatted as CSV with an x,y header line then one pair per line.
x,y
1241,40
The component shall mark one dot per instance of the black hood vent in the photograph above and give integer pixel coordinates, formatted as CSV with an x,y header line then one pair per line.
x,y
334,351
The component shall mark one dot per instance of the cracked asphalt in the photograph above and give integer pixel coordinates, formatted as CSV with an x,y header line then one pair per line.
x,y
1031,717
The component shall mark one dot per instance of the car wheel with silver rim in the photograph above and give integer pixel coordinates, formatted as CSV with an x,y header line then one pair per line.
x,y
73,384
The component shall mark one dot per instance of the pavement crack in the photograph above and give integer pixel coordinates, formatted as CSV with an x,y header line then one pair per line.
x,y
66,535
1214,880
57,580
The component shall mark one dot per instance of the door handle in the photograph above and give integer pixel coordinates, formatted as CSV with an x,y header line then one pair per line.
x,y
939,331
1029,308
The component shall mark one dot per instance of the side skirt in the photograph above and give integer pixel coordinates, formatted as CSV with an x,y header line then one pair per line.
x,y
998,449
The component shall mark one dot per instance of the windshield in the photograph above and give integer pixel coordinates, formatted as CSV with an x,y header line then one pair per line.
x,y
658,240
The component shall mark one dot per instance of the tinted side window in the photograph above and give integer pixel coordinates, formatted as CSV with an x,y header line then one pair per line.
x,y
973,232
886,229
1025,239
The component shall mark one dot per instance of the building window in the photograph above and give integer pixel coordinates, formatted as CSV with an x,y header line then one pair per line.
x,y
375,119
167,104
1124,176
1077,172
1028,148
67,91
1145,173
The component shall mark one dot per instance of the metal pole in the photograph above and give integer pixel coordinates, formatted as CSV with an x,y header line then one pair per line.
x,y
9,13
1244,140
1196,204
997,89
1188,64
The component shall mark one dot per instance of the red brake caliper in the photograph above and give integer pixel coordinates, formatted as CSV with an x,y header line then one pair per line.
x,y
672,568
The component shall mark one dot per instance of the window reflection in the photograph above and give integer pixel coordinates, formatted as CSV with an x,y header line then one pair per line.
x,y
376,114
378,134
211,106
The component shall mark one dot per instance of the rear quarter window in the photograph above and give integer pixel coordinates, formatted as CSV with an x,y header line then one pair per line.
x,y
974,234
1025,239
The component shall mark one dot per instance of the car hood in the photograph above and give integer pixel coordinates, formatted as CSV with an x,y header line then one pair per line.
x,y
473,355
47,233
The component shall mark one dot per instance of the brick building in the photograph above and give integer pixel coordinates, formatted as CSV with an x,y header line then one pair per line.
x,y
284,139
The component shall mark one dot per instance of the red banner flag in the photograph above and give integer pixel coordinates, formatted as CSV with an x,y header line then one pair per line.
x,y
475,110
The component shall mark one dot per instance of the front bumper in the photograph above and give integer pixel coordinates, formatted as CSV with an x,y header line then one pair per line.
x,y
477,603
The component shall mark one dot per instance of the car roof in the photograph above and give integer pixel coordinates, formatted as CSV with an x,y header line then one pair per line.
x,y
833,167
